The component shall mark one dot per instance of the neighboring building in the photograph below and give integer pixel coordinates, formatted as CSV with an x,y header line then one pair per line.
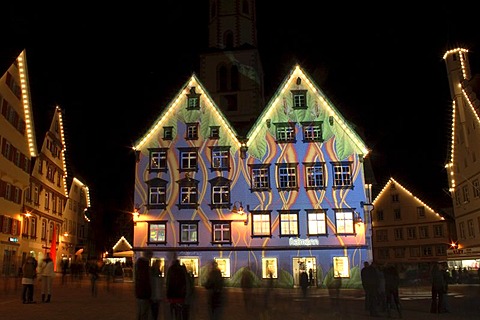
x,y
409,233
231,69
18,147
33,185
463,168
288,198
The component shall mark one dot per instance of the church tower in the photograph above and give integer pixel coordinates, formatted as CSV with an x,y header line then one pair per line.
x,y
231,69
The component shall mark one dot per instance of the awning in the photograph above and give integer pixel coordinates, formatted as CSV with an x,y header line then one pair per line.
x,y
128,253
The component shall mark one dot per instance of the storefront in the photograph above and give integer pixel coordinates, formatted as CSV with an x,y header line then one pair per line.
x,y
464,265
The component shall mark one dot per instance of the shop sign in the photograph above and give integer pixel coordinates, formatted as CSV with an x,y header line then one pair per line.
x,y
13,239
462,252
303,242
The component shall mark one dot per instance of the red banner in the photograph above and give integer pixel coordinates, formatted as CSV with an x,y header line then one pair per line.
x,y
53,248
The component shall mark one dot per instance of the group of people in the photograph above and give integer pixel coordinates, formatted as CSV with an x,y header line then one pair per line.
x,y
381,288
177,289
30,271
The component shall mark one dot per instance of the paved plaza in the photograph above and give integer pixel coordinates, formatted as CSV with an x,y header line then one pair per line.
x,y
73,301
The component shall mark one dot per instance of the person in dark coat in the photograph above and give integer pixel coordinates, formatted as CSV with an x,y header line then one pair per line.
x,y
304,283
370,282
392,281
439,289
176,288
143,286
29,270
214,285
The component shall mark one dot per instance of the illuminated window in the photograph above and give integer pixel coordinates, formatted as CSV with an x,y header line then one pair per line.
x,y
191,264
220,158
299,99
287,176
289,223
188,232
317,222
158,159
341,267
157,232
220,188
261,224
312,132
224,266
314,175
260,177
344,221
221,232
269,268
342,175
285,132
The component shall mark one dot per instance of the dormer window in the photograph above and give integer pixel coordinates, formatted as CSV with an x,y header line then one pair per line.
x,y
192,131
299,99
285,132
214,132
193,100
167,133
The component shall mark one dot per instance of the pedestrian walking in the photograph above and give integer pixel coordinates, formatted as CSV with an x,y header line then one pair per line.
x,y
304,283
214,285
246,282
439,289
143,286
370,282
176,288
392,282
47,273
157,289
29,270
93,271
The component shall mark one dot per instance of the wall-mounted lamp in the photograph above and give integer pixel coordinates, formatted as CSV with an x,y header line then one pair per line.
x,y
28,214
136,214
358,220
239,210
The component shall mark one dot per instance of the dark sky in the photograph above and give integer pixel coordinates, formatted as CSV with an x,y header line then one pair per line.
x,y
112,69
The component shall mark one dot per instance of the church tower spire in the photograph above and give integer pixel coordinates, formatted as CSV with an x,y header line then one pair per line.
x,y
231,69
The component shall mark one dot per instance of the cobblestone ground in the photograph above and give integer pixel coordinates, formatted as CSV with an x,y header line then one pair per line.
x,y
73,300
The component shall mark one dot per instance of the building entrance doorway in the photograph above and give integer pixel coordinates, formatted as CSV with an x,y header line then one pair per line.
x,y
305,264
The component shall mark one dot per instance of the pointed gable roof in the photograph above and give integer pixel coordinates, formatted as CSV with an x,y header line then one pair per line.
x,y
122,245
393,183
21,66
177,108
320,109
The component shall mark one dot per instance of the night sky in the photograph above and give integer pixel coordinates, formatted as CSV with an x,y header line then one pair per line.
x,y
112,69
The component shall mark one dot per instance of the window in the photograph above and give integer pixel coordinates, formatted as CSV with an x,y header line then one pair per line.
x,y
411,233
380,215
167,133
438,230
289,223
44,230
188,193
312,132
25,226
299,99
260,177
421,212
423,232
461,226
220,158
465,194
470,228
157,232
314,175
397,214
158,159
285,132
214,132
220,190
427,251
192,131
395,197
188,159
221,232
382,235
193,100
398,233
157,193
476,188
261,224
316,222
269,268
342,175
33,228
399,252
344,221
384,253
287,176
224,266
440,250
414,252
188,232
